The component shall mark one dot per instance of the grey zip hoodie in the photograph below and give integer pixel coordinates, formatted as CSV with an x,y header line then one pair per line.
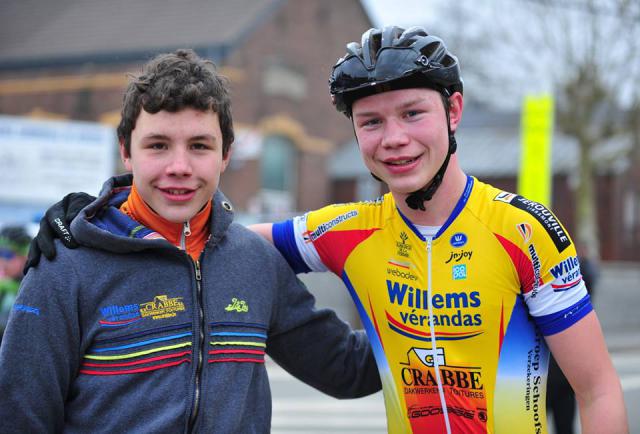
x,y
128,334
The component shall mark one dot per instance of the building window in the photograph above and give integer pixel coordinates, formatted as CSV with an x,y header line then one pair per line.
x,y
278,175
279,79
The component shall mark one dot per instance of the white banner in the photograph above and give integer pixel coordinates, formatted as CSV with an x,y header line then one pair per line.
x,y
41,161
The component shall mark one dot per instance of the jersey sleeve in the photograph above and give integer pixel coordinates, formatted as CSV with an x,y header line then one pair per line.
x,y
560,298
550,277
321,240
289,239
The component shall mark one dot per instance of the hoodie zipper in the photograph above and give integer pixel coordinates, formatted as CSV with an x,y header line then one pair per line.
x,y
436,365
186,231
200,345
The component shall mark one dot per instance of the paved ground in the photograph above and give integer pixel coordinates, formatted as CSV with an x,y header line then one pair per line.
x,y
298,408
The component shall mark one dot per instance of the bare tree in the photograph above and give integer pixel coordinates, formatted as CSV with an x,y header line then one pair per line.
x,y
585,52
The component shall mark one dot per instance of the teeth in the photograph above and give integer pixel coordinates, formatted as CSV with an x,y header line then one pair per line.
x,y
401,162
177,191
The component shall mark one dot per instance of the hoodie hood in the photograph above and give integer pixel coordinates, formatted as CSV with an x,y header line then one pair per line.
x,y
101,225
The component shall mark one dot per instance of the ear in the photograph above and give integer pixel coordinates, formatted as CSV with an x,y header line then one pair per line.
x,y
125,157
456,105
225,161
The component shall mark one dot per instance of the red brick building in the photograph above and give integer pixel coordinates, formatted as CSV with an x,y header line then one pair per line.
x,y
68,59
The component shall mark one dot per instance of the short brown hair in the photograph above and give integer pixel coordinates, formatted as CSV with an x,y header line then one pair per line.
x,y
172,82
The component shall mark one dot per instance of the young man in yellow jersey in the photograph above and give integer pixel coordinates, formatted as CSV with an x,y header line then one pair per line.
x,y
462,287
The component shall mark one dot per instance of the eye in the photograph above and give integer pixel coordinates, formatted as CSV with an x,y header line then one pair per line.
x,y
412,113
370,122
157,145
200,146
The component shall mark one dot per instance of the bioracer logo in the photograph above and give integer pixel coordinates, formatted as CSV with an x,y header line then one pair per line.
x,y
458,240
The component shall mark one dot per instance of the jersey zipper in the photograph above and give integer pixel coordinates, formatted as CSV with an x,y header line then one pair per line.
x,y
436,365
200,346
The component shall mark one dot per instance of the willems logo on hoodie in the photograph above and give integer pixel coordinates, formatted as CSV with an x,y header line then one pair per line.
x,y
121,315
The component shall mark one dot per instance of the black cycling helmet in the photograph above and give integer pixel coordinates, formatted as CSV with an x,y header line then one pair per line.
x,y
393,58
390,59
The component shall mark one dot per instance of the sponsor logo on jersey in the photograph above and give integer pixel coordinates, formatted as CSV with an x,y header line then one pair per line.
x,y
430,357
505,197
404,271
404,295
456,380
458,240
162,307
401,264
525,230
567,274
403,247
535,382
402,274
540,213
413,321
535,263
458,256
416,411
323,228
459,272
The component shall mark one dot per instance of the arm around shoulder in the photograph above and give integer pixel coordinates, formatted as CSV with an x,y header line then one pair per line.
x,y
263,229
318,348
582,355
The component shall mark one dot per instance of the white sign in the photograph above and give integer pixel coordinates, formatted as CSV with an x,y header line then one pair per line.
x,y
41,161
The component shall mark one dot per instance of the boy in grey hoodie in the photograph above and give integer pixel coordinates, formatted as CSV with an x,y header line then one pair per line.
x,y
160,322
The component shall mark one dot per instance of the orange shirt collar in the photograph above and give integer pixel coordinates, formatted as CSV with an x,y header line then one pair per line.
x,y
136,208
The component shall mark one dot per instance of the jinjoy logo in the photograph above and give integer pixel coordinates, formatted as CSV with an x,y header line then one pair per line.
x,y
237,305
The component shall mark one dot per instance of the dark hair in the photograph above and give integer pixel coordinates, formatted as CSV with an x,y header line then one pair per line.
x,y
172,82
14,239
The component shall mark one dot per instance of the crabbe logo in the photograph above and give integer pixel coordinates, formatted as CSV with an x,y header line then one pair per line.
x,y
162,307
459,381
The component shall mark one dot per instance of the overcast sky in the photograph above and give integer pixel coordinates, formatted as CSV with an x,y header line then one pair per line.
x,y
400,12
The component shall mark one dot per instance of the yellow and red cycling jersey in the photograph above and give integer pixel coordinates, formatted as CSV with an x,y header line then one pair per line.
x,y
456,320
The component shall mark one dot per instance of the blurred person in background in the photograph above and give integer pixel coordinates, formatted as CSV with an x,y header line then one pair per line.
x,y
463,288
14,244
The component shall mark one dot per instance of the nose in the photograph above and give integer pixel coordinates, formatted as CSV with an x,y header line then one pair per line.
x,y
179,163
394,134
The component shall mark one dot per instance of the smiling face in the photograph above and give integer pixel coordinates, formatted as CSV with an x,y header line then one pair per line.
x,y
403,135
176,160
